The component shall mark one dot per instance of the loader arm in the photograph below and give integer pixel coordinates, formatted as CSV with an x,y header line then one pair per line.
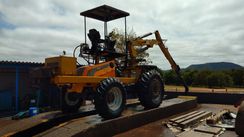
x,y
168,56
149,43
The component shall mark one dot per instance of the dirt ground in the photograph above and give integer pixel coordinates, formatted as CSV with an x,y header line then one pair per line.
x,y
157,129
5,121
203,89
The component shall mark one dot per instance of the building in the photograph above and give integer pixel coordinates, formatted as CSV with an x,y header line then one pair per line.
x,y
15,88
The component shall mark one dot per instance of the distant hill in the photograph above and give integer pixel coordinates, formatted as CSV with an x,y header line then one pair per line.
x,y
215,66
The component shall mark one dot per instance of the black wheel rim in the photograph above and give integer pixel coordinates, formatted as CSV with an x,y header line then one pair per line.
x,y
71,98
114,98
155,87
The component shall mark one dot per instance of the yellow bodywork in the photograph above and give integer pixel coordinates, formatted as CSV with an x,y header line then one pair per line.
x,y
62,65
66,73
77,83
87,79
104,69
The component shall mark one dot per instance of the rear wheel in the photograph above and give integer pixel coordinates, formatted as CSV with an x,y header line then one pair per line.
x,y
110,98
71,101
151,89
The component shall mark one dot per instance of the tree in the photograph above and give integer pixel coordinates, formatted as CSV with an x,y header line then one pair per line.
x,y
189,76
207,78
219,79
201,78
238,77
171,78
119,36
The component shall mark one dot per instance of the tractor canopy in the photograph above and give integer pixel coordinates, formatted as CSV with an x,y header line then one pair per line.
x,y
104,13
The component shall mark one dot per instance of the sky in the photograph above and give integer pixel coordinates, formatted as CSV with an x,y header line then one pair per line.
x,y
197,31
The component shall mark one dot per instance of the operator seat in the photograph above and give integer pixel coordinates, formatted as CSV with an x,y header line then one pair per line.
x,y
95,39
110,44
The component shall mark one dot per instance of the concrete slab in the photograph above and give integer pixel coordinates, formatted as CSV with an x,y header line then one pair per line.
x,y
19,125
157,129
31,126
133,117
207,129
194,134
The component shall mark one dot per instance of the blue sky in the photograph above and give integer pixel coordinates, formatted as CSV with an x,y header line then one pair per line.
x,y
197,31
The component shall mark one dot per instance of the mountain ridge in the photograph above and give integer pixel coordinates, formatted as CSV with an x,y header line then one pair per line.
x,y
214,66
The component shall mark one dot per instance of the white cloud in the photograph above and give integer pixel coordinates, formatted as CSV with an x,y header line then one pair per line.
x,y
197,31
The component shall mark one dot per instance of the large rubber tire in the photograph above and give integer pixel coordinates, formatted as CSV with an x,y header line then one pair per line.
x,y
151,89
70,101
110,98
239,124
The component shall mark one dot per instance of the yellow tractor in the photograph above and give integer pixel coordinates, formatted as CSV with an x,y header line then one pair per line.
x,y
108,76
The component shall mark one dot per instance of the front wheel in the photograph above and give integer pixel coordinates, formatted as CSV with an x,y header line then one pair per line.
x,y
110,98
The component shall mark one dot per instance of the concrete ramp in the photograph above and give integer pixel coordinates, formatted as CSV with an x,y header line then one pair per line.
x,y
133,117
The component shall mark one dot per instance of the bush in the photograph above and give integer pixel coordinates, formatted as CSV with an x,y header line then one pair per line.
x,y
206,78
189,76
238,77
219,79
201,78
